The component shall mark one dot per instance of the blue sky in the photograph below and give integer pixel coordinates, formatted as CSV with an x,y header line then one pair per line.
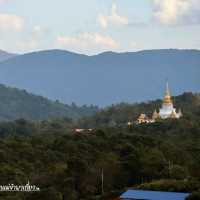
x,y
93,26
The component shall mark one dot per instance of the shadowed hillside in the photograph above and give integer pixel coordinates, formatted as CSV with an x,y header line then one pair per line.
x,y
15,103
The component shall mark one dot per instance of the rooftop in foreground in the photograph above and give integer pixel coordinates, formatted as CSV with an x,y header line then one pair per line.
x,y
152,195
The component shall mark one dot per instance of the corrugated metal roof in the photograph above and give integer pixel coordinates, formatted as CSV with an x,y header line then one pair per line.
x,y
153,195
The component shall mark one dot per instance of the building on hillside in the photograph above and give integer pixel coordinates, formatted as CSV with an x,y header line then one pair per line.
x,y
152,195
144,119
166,111
80,130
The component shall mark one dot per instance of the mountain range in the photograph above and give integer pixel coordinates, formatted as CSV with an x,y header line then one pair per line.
x,y
105,78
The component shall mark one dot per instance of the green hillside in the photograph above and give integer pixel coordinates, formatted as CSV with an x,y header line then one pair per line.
x,y
120,114
68,166
15,104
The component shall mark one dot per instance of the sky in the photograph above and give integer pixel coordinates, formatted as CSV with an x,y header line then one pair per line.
x,y
94,26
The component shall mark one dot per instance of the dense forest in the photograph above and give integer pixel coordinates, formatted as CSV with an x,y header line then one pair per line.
x,y
69,166
15,104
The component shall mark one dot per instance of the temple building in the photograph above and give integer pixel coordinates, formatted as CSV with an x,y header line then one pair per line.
x,y
166,111
143,118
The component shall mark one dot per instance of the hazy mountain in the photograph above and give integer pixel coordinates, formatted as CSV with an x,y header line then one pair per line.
x,y
105,78
5,55
15,104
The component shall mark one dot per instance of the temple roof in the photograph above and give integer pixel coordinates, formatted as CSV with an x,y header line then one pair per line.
x,y
153,195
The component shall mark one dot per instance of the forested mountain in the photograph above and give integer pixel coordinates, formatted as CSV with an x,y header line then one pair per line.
x,y
105,78
68,166
15,104
5,55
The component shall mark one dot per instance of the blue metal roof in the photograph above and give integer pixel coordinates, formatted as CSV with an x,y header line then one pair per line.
x,y
153,195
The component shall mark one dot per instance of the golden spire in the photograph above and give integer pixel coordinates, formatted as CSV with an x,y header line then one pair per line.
x,y
167,98
167,92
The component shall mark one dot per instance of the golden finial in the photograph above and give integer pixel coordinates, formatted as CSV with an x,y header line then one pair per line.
x,y
167,92
167,98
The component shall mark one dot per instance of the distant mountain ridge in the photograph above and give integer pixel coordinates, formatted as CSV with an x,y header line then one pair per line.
x,y
5,55
105,78
16,104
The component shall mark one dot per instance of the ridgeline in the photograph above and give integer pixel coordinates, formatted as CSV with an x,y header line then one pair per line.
x,y
16,104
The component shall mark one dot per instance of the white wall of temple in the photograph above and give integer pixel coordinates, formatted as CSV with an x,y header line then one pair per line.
x,y
166,111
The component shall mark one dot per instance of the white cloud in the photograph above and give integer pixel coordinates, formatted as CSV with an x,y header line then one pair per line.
x,y
2,1
103,21
173,12
11,23
28,45
37,30
113,18
87,41
34,39
133,45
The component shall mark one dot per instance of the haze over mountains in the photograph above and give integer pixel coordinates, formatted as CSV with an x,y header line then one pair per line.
x,y
103,79
5,55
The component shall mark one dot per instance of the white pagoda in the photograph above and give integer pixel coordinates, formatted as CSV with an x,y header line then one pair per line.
x,y
167,110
